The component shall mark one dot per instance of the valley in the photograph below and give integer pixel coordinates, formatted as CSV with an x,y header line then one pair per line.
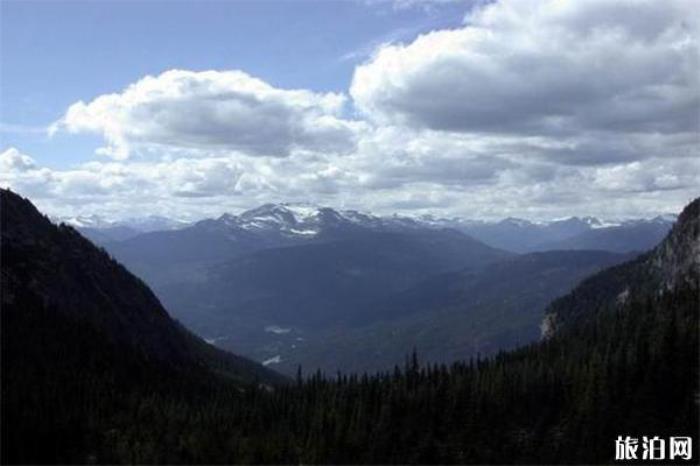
x,y
357,291
101,373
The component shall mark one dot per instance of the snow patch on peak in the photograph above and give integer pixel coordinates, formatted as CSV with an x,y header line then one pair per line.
x,y
518,222
273,360
591,222
596,223
302,211
303,232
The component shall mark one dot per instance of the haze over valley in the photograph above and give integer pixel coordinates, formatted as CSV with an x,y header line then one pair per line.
x,y
300,285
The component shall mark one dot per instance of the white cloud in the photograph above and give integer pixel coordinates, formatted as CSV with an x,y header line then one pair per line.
x,y
12,160
543,68
427,174
213,110
649,176
539,109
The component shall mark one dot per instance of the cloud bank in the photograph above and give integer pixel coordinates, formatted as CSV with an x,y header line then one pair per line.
x,y
213,110
531,108
543,67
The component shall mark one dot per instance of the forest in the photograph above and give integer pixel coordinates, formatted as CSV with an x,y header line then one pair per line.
x,y
632,370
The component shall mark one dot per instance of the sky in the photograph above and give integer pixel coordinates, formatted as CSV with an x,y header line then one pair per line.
x,y
537,109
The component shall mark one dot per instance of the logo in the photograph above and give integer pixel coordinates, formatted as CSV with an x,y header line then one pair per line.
x,y
653,448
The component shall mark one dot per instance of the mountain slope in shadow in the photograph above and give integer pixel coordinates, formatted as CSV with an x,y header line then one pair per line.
x,y
79,330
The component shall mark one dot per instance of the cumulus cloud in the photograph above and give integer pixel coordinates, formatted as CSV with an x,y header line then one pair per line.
x,y
213,110
417,178
183,187
12,160
533,108
394,157
19,171
653,176
543,68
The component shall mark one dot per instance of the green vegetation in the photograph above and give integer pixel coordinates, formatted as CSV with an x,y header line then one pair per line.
x,y
632,370
95,371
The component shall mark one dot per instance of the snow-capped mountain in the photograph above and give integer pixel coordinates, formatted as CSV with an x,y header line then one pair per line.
x,y
305,267
292,219
520,235
307,221
140,224
271,225
101,230
153,223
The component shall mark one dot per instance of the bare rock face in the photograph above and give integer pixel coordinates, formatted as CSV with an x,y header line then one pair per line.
x,y
677,258
548,326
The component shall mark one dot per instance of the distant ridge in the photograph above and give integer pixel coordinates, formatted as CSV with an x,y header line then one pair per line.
x,y
292,222
674,263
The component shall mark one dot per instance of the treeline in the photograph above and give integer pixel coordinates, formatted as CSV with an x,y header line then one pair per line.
x,y
68,396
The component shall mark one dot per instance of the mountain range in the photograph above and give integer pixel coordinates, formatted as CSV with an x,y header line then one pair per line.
x,y
96,371
299,220
348,280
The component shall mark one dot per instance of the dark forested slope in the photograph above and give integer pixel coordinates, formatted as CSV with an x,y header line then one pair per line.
x,y
77,327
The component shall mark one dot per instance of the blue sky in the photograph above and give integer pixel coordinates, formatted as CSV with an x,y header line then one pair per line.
x,y
56,53
484,109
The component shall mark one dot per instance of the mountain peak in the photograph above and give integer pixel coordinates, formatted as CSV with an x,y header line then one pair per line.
x,y
288,210
289,219
227,219
517,222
